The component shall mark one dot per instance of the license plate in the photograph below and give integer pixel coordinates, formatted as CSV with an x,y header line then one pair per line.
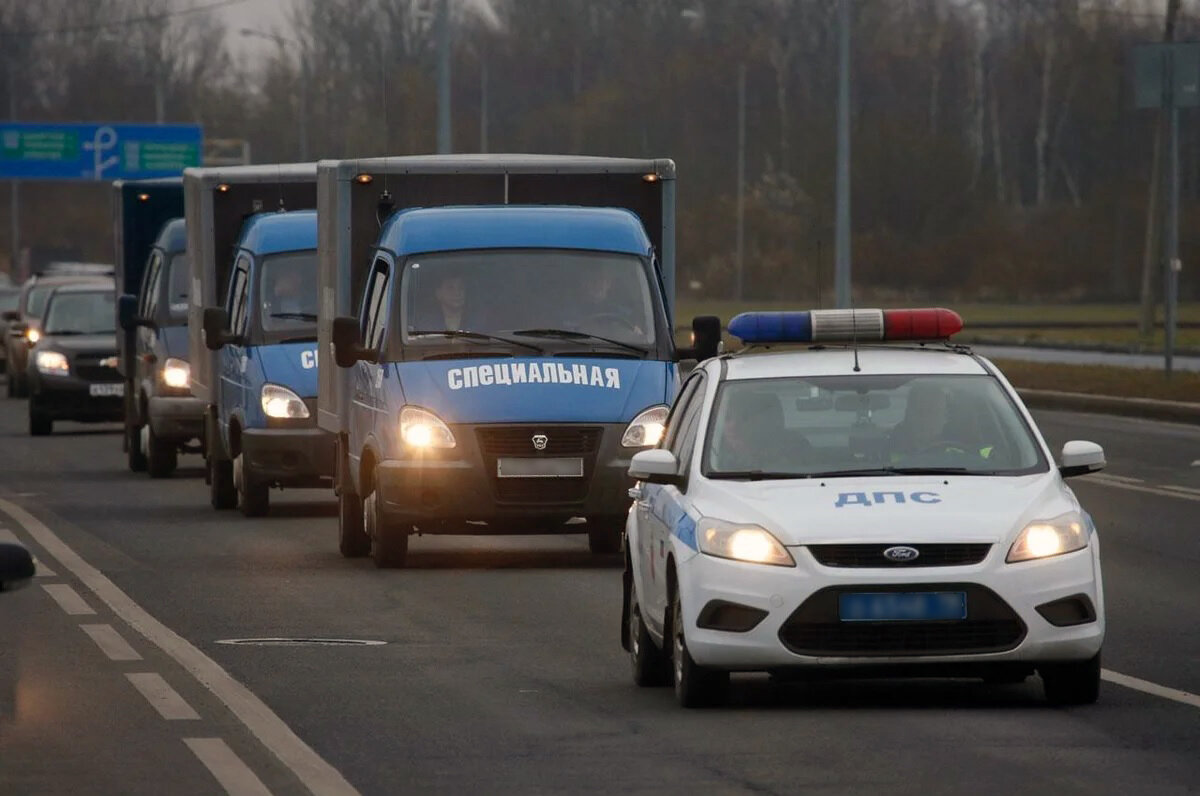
x,y
106,390
902,606
514,467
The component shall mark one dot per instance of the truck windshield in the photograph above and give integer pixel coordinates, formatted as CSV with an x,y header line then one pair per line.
x,y
9,300
92,312
590,298
36,301
177,286
288,292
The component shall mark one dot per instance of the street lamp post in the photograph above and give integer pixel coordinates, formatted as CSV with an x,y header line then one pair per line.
x,y
284,42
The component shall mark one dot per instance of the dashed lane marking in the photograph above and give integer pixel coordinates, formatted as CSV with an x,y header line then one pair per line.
x,y
111,643
1185,489
311,769
1114,477
223,763
1154,689
68,599
162,697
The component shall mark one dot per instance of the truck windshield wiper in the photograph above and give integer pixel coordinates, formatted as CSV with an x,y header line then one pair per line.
x,y
573,335
306,338
65,332
469,335
295,316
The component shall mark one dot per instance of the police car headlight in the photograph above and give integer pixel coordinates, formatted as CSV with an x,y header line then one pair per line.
x,y
422,429
748,543
645,430
1044,539
177,373
52,363
280,402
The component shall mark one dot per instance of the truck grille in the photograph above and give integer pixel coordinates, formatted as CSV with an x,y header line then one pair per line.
x,y
815,629
580,441
871,555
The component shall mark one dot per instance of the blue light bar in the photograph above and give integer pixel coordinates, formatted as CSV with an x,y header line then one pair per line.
x,y
828,326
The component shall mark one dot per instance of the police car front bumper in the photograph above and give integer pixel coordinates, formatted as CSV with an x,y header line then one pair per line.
x,y
442,493
799,625
176,418
300,457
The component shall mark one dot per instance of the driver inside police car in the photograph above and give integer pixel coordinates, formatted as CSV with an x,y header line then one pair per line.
x,y
924,423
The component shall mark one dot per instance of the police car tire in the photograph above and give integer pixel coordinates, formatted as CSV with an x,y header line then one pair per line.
x,y
696,686
162,456
353,541
133,445
1075,683
604,535
651,668
40,423
389,539
253,497
221,493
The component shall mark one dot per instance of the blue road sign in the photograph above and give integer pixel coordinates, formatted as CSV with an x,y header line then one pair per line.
x,y
35,151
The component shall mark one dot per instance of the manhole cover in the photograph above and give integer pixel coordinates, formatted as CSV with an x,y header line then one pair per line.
x,y
302,642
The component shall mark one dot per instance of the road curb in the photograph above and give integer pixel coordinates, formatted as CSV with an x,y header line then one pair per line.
x,y
1150,408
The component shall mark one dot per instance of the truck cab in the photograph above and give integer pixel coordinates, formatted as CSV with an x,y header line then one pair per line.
x,y
506,360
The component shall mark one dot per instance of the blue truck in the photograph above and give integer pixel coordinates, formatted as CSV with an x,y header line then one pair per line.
x,y
162,419
502,330
252,246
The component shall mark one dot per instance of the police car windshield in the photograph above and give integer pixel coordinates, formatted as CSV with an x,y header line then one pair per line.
x,y
91,312
177,286
845,426
596,300
288,292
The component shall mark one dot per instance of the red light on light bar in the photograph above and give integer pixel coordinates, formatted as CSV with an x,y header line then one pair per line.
x,y
933,323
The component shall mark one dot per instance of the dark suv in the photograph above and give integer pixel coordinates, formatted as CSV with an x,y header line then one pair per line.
x,y
72,370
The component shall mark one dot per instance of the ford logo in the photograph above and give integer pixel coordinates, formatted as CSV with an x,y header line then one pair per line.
x,y
901,554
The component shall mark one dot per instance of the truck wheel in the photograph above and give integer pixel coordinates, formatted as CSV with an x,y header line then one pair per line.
x,y
353,541
133,444
40,423
389,539
650,667
162,456
695,686
1075,683
253,497
604,534
221,493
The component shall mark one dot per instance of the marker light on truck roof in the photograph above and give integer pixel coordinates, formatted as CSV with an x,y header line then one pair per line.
x,y
650,177
842,326
143,197
363,179
223,187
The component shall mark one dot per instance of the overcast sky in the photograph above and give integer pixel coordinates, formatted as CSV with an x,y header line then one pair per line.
x,y
266,15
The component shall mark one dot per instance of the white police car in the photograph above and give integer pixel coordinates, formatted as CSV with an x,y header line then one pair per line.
x,y
888,509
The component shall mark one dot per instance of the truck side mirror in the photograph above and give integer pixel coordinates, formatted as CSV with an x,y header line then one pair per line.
x,y
11,316
706,339
127,312
347,342
215,323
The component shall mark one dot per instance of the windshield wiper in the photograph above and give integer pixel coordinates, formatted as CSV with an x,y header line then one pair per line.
x,y
899,471
295,316
573,335
756,475
468,335
65,332
308,338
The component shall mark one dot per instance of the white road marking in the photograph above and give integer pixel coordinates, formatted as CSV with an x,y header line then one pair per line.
x,y
1150,490
111,643
1113,477
318,776
68,599
1189,490
41,571
162,697
1154,689
223,763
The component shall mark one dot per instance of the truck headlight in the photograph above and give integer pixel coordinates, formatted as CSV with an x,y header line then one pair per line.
x,y
178,374
280,402
748,543
645,430
32,335
52,363
422,429
1046,538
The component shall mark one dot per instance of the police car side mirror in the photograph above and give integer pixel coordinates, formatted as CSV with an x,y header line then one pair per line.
x,y
16,567
347,343
655,466
215,322
706,339
1080,458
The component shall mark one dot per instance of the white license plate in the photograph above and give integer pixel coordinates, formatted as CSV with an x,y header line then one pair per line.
x,y
516,467
106,390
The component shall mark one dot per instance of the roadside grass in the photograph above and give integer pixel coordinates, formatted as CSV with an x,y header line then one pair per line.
x,y
1102,380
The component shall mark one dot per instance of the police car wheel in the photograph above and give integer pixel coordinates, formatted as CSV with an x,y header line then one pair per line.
x,y
650,667
604,534
695,686
353,541
389,539
253,496
40,423
162,456
221,493
1075,683
133,446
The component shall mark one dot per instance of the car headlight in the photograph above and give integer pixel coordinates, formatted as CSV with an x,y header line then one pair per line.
x,y
423,430
1046,538
280,402
32,335
645,430
178,374
52,363
748,543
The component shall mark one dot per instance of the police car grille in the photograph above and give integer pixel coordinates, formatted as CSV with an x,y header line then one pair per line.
x,y
518,440
815,629
871,555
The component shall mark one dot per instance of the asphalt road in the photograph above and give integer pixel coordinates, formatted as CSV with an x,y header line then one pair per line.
x,y
501,671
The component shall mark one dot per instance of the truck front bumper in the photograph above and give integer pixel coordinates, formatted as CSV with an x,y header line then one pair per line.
x,y
296,457
176,418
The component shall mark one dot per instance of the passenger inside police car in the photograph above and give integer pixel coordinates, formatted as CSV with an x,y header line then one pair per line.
x,y
753,436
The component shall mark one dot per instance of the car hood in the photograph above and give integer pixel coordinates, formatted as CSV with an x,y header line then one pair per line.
x,y
564,389
80,344
292,365
896,509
